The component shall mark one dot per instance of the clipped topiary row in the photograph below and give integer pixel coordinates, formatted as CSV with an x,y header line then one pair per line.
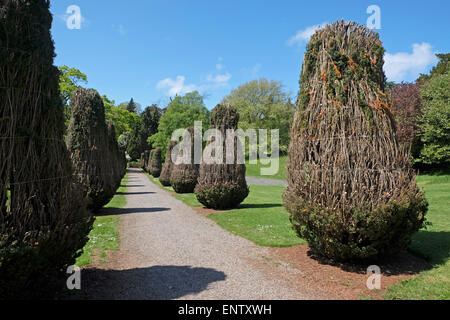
x,y
43,219
352,192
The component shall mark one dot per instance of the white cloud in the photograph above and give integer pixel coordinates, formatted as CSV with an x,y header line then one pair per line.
x,y
303,36
220,79
219,66
404,66
176,86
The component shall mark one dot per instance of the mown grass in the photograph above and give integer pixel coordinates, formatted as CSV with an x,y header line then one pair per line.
x,y
261,219
254,170
432,244
104,235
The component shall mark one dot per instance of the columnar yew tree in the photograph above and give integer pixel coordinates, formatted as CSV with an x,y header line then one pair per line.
x,y
184,175
116,157
164,178
155,163
43,221
352,193
223,185
87,141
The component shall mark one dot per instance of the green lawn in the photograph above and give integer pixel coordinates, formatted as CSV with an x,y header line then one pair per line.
x,y
105,233
261,219
433,244
254,170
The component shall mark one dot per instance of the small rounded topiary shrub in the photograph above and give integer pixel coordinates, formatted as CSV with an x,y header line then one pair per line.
x,y
183,177
223,185
164,178
155,163
351,190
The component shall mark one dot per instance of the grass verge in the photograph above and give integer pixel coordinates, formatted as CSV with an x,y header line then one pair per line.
x,y
432,244
104,235
254,170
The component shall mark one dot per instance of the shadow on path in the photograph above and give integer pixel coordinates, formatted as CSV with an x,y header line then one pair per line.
x,y
121,211
133,193
154,283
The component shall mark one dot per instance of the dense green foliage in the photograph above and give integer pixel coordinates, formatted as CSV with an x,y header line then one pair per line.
x,y
43,219
222,185
435,123
69,81
131,107
263,104
122,119
181,113
142,130
441,68
351,191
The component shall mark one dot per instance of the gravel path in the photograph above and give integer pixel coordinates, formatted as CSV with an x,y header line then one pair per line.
x,y
266,182
168,251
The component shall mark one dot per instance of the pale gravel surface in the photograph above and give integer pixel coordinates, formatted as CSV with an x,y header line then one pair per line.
x,y
266,182
168,251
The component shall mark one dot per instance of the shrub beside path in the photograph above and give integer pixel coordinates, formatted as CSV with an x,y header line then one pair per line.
x,y
168,251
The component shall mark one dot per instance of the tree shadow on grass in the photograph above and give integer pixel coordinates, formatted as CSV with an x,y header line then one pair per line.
x,y
432,245
153,283
122,211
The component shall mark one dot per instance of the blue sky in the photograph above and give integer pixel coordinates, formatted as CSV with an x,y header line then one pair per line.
x,y
152,49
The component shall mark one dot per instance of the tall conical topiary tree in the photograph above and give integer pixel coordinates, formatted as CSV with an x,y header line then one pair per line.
x,y
223,186
43,220
87,141
183,177
116,158
352,193
164,178
155,163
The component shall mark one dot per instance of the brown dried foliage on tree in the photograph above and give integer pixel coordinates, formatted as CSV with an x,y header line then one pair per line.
x,y
350,184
